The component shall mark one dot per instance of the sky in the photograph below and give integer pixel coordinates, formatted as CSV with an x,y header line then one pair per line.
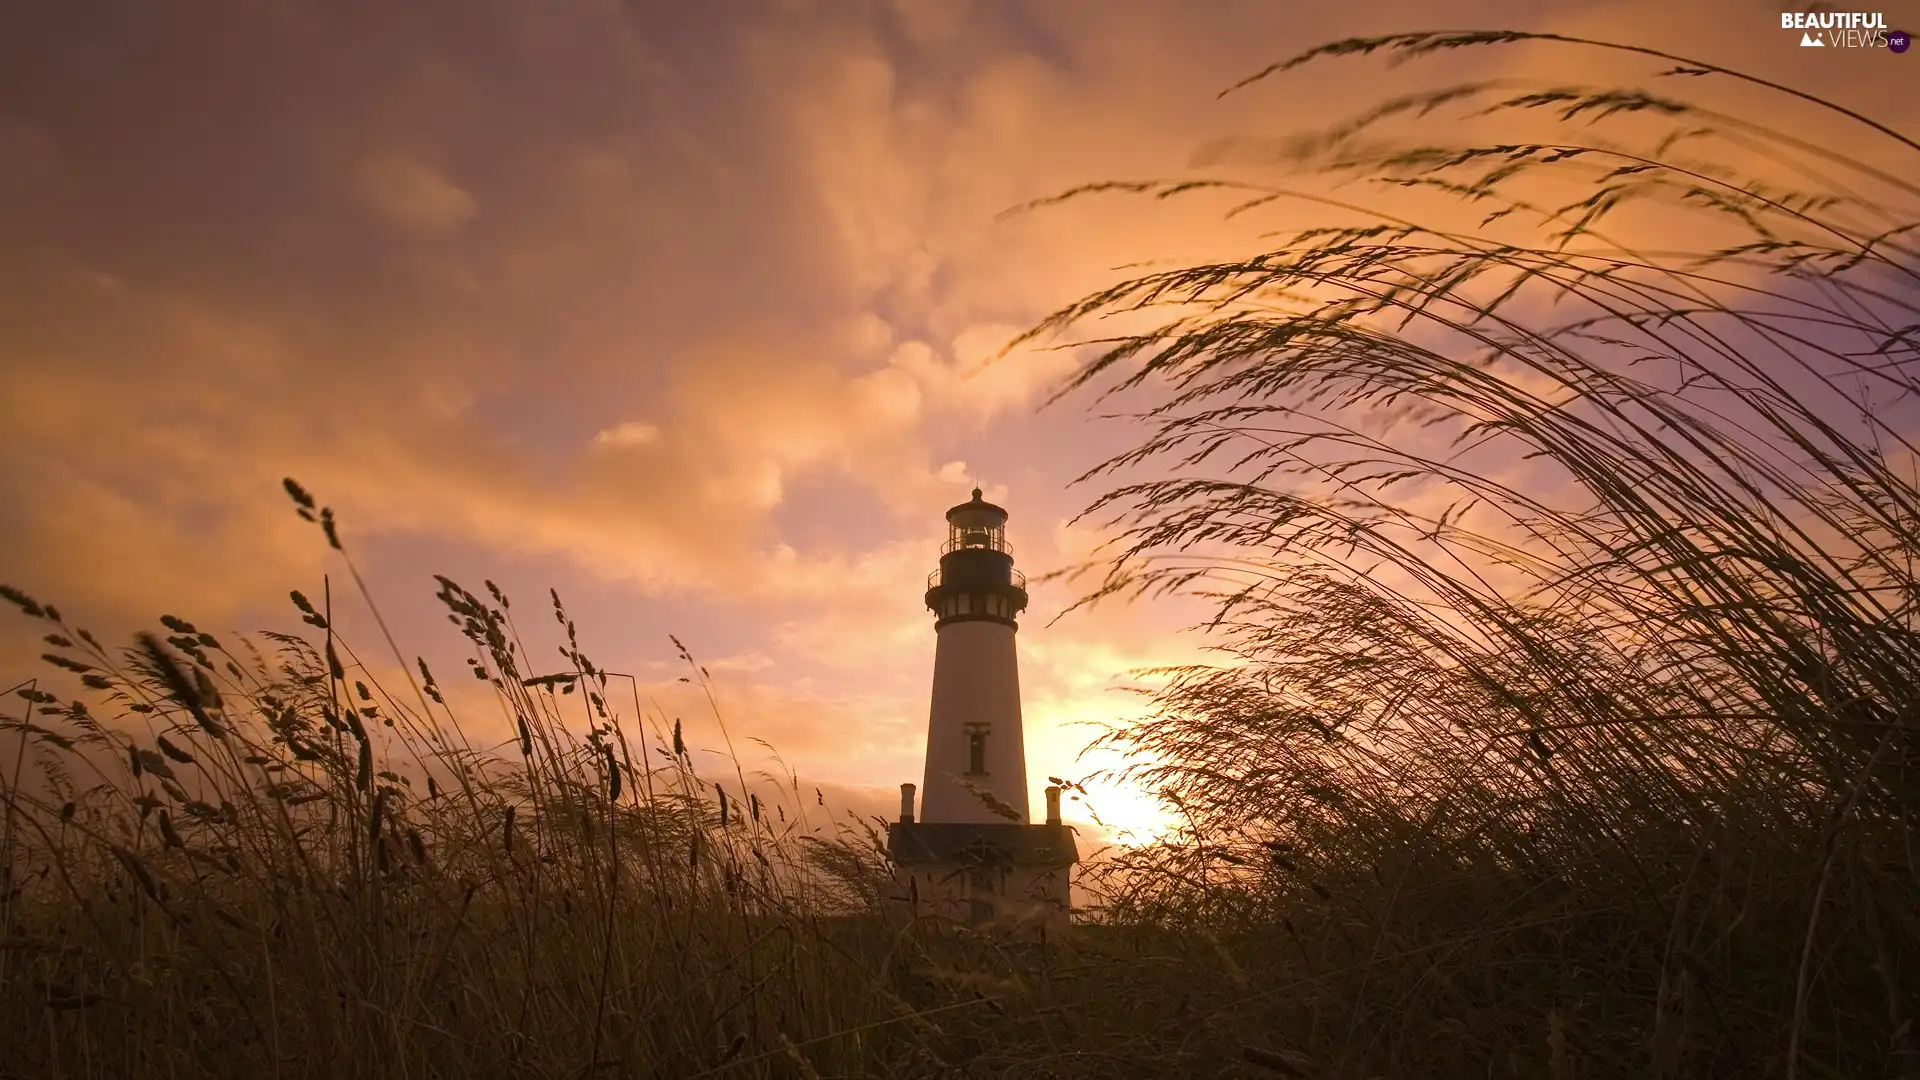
x,y
684,310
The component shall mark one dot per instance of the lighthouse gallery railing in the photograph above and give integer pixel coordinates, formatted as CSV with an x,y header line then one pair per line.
x,y
1019,580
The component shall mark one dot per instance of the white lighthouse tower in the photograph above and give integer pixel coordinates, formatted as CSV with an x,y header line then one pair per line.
x,y
972,853
974,737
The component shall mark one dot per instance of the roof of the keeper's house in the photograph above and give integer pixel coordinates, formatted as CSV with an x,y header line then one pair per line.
x,y
998,843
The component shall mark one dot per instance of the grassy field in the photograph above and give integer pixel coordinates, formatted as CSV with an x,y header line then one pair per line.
x,y
1564,724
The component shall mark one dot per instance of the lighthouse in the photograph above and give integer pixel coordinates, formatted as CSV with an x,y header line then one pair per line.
x,y
971,852
976,750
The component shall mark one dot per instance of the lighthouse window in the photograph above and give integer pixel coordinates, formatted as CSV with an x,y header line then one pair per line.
x,y
964,598
976,753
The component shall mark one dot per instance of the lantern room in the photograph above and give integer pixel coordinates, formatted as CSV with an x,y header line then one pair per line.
x,y
977,524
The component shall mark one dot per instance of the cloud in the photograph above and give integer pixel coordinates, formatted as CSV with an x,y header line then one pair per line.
x,y
629,433
412,195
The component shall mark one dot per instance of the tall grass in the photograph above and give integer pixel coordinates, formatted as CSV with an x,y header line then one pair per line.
x,y
274,865
1563,559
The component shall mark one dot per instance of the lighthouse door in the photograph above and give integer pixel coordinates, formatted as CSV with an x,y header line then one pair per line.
x,y
979,897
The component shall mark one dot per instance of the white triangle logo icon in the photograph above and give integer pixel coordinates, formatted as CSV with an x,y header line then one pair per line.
x,y
1809,41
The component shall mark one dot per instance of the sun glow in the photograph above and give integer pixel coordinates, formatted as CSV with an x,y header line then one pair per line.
x,y
1107,809
1123,814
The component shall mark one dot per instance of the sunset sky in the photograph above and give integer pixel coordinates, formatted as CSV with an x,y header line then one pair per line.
x,y
679,308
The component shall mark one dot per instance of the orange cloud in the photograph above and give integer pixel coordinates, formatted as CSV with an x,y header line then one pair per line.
x,y
412,195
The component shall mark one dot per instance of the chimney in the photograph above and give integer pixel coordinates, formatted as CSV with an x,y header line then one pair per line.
x,y
1053,805
906,804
